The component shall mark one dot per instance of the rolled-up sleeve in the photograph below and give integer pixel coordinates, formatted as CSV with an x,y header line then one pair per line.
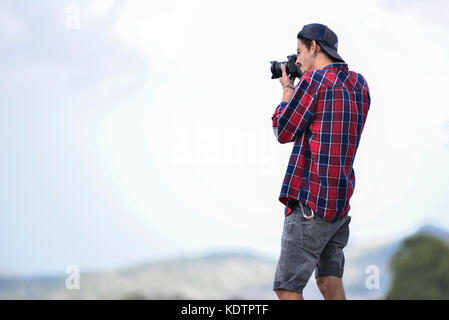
x,y
275,117
291,118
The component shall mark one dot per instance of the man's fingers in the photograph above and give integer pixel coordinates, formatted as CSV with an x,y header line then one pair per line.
x,y
283,70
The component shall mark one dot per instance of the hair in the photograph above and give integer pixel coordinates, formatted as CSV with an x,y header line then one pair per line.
x,y
308,44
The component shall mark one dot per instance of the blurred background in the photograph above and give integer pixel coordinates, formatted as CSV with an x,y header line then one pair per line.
x,y
137,146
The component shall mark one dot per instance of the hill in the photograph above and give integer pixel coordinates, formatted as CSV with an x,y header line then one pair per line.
x,y
225,275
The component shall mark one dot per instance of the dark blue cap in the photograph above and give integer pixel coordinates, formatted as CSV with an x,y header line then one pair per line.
x,y
325,37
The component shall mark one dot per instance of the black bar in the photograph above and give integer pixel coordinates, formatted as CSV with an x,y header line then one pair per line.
x,y
220,309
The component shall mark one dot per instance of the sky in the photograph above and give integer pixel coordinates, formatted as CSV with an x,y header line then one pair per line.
x,y
134,131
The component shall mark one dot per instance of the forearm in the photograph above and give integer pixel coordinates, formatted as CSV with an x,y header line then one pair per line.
x,y
292,116
287,94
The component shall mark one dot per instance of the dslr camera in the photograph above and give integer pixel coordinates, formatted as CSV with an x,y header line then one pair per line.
x,y
290,67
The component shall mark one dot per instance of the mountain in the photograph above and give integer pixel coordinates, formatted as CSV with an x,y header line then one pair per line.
x,y
222,275
7,273
217,276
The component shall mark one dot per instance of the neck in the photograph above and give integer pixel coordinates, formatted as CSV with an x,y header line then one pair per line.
x,y
321,61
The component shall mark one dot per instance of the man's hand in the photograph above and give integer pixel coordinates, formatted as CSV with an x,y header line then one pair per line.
x,y
288,83
286,80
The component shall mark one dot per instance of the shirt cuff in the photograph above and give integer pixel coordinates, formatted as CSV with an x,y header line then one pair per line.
x,y
279,109
282,105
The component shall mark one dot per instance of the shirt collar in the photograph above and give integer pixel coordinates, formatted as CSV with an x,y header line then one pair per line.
x,y
337,65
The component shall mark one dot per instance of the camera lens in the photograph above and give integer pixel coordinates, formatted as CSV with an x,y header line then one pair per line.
x,y
290,67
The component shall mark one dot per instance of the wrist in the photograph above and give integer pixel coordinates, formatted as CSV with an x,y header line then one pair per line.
x,y
288,86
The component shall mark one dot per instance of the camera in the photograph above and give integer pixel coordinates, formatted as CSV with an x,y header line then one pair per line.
x,y
290,67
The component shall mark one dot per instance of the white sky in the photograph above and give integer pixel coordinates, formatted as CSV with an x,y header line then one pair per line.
x,y
151,126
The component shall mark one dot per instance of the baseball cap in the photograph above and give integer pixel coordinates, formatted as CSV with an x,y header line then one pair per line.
x,y
325,37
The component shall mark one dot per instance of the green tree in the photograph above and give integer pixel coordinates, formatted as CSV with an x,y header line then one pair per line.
x,y
420,269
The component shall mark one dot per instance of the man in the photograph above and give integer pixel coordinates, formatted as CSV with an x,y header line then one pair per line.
x,y
323,115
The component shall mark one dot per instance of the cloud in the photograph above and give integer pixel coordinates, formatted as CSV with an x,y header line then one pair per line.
x,y
432,11
50,60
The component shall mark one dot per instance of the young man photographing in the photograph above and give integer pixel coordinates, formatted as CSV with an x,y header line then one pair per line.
x,y
323,115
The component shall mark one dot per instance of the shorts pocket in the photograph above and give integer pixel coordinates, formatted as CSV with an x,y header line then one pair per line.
x,y
290,221
314,235
289,224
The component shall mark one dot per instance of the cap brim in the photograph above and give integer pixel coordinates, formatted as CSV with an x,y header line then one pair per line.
x,y
332,52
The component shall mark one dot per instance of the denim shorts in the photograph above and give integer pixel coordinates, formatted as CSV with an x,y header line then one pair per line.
x,y
309,245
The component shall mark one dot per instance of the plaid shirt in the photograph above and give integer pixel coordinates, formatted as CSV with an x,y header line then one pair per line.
x,y
325,120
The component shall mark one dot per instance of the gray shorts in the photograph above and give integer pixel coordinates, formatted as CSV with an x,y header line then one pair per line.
x,y
309,244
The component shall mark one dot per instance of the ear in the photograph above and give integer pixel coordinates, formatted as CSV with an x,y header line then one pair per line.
x,y
315,47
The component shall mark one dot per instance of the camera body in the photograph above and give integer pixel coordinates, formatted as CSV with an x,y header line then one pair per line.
x,y
290,67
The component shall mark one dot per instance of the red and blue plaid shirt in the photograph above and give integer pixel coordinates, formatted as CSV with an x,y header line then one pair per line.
x,y
325,119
